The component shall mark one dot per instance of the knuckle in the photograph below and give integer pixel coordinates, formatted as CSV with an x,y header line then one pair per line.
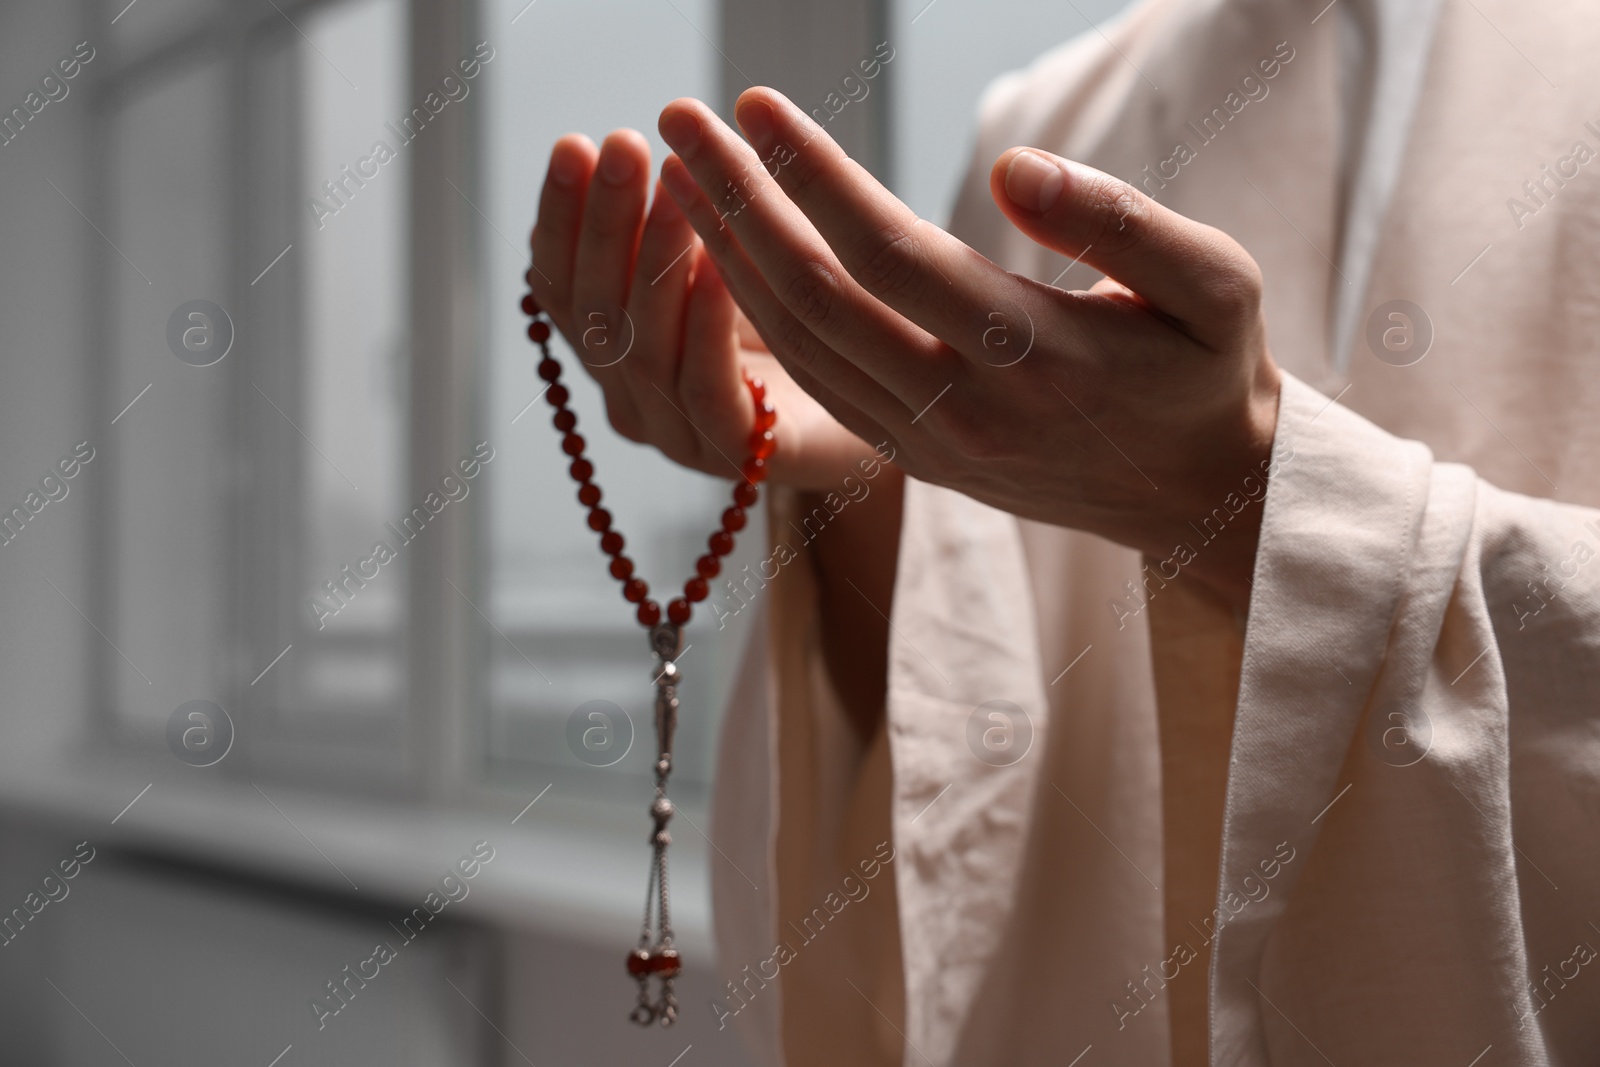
x,y
1233,287
604,225
976,439
812,293
886,261
795,342
1240,288
715,233
607,221
795,175
657,255
1119,212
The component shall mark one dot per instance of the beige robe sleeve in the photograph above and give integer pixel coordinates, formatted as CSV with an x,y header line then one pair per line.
x,y
802,889
1419,722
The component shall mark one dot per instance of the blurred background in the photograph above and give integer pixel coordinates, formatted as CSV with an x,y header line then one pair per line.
x,y
243,346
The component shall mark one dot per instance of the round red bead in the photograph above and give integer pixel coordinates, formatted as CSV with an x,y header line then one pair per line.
x,y
639,963
530,306
762,444
530,274
538,331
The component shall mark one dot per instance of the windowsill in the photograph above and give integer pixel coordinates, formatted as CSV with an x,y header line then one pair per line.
x,y
572,867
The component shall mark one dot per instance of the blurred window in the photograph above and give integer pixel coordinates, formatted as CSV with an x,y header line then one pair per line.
x,y
272,542
266,455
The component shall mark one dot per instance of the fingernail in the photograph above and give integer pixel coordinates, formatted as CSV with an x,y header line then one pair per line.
x,y
679,182
757,121
564,169
617,165
1033,182
682,132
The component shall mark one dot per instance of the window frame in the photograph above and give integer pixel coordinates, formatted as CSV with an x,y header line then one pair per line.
x,y
264,601
441,752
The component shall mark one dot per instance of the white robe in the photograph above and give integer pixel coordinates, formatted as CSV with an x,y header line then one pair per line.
x,y
1365,821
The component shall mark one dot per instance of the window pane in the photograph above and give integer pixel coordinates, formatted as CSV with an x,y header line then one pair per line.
x,y
352,403
167,451
551,595
245,489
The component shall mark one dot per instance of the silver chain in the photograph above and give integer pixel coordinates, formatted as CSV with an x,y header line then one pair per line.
x,y
655,940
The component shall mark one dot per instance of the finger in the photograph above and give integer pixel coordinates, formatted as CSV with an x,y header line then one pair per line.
x,y
796,262
713,394
655,305
555,235
1193,273
919,270
608,239
848,392
714,402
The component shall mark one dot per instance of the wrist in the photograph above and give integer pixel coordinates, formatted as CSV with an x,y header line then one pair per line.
x,y
1215,535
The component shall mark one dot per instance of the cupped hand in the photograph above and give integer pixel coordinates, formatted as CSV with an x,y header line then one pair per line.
x,y
1133,410
635,296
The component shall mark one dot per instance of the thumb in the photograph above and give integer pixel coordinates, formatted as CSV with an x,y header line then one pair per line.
x,y
1187,270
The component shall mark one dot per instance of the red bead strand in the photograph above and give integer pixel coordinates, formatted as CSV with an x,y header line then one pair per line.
x,y
635,590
